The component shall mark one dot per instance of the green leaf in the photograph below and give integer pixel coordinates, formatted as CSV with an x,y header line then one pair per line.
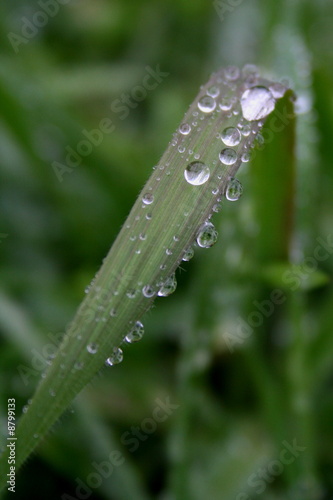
x,y
172,209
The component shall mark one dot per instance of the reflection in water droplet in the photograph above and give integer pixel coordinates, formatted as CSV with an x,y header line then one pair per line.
x,y
92,348
197,173
136,333
188,254
207,235
228,156
185,129
257,103
115,358
231,136
148,198
234,189
168,287
206,104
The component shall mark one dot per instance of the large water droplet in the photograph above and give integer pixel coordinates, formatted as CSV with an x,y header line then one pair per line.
x,y
168,287
228,156
115,358
92,348
231,136
197,173
207,235
136,333
257,103
206,104
147,198
234,189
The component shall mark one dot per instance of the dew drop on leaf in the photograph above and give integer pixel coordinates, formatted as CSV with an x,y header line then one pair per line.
x,y
228,156
197,173
148,198
206,104
168,287
185,128
92,348
231,136
148,291
234,189
207,235
257,103
115,358
136,333
188,254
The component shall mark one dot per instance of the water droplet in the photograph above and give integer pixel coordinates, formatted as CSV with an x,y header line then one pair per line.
x,y
246,157
250,69
148,198
116,357
207,235
246,130
231,136
143,236
79,365
92,348
231,73
185,128
149,216
234,189
225,104
257,103
52,392
113,312
131,293
25,408
136,333
148,291
188,254
278,90
168,287
228,156
181,149
206,104
213,91
197,173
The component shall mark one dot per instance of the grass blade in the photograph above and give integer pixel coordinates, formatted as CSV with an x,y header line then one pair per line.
x,y
177,201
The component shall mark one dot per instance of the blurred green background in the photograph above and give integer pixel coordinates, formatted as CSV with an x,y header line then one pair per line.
x,y
251,378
